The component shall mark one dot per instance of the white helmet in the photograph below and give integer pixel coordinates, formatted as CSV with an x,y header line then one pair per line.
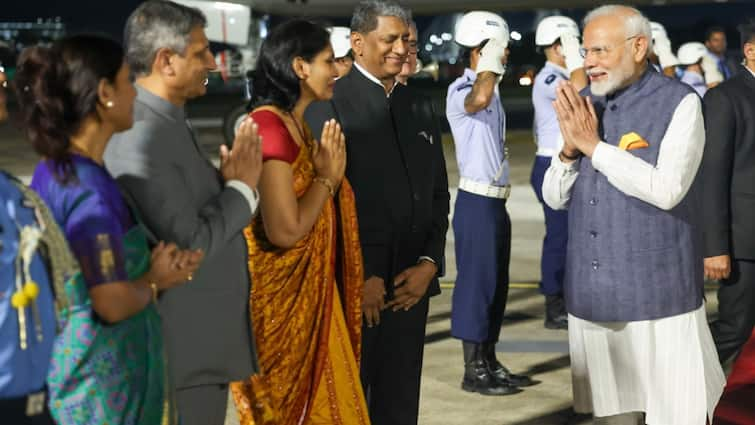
x,y
340,38
475,27
658,31
691,53
550,30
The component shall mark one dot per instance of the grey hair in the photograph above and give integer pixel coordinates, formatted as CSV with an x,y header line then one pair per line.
x,y
155,25
635,23
413,26
365,17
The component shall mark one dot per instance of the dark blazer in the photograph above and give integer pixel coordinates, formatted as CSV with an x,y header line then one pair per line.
x,y
728,168
396,166
180,197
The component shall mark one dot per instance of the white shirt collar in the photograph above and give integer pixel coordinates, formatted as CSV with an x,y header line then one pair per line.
x,y
374,79
751,71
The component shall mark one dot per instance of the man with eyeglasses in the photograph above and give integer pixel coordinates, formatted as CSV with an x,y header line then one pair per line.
x,y
641,351
410,66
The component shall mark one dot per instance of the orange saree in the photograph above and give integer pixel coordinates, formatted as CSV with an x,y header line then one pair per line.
x,y
306,316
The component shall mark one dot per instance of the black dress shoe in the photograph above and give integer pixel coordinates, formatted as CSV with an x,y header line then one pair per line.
x,y
477,377
500,373
558,322
555,312
504,376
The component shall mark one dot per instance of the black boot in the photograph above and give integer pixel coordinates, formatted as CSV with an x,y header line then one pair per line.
x,y
555,312
477,378
499,372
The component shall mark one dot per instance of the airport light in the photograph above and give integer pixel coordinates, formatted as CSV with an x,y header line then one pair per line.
x,y
525,81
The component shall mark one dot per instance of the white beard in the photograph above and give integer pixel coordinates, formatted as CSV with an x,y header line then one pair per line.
x,y
615,79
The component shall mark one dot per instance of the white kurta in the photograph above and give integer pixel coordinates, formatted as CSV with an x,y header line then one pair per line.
x,y
668,367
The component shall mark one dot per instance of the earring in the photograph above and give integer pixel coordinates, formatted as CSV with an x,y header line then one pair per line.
x,y
109,104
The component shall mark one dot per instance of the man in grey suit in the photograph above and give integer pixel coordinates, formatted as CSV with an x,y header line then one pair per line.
x,y
179,195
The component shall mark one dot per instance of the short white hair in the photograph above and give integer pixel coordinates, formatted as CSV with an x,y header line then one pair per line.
x,y
635,23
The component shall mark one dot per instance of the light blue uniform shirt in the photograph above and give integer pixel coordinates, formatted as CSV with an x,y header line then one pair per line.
x,y
479,137
21,371
543,94
696,81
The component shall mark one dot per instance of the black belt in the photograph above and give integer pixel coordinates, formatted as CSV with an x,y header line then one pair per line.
x,y
29,409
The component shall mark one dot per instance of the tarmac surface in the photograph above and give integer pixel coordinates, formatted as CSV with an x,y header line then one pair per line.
x,y
525,345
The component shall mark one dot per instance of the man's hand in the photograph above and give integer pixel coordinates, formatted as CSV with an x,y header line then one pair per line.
x,y
411,285
710,69
244,161
373,300
577,119
662,49
492,58
570,50
718,267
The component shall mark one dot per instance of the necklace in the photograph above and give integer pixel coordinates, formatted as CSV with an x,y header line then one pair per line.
x,y
299,129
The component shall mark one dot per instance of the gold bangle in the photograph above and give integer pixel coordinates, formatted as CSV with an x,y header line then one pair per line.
x,y
153,285
327,183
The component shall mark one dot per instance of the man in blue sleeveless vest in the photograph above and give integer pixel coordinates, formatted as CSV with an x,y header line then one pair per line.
x,y
27,313
640,347
558,37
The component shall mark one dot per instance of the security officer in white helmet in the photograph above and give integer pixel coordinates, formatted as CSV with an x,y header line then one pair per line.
x,y
690,58
340,39
558,38
481,224
661,56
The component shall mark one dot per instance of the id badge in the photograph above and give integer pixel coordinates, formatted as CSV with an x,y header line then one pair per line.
x,y
35,404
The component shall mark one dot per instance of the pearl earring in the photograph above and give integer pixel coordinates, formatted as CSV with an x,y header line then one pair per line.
x,y
109,104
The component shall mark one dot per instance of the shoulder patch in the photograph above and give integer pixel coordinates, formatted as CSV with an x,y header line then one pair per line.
x,y
464,86
550,78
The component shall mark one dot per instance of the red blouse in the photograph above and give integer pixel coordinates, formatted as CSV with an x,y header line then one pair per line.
x,y
277,142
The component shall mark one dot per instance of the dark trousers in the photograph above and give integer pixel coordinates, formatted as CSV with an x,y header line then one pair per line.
x,y
392,365
13,412
482,232
736,310
553,260
202,405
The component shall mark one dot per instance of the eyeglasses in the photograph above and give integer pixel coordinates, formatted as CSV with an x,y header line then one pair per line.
x,y
413,50
601,51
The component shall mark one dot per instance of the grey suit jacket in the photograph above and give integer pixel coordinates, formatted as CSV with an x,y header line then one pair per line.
x,y
179,196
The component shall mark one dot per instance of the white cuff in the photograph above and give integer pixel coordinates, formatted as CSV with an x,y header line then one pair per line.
x,y
251,195
601,156
425,257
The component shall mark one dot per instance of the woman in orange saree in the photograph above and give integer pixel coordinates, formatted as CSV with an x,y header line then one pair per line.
x,y
304,255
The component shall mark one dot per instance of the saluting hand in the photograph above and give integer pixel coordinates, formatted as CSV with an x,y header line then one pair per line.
x,y
330,154
577,120
244,161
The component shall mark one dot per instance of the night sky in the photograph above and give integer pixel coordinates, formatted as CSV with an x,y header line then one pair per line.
x,y
101,16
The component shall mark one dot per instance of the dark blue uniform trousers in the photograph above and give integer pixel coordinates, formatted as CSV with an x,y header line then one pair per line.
x,y
553,260
482,232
